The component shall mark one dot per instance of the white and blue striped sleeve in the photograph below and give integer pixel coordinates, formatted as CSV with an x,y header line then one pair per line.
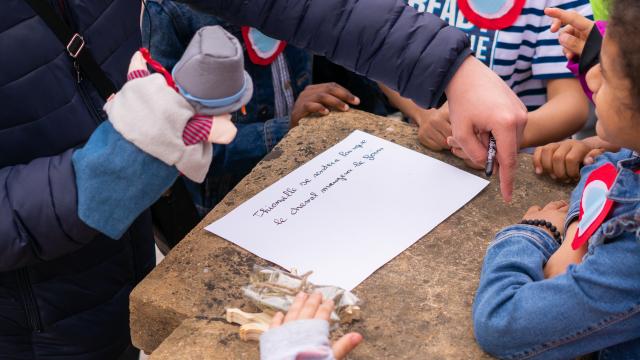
x,y
549,61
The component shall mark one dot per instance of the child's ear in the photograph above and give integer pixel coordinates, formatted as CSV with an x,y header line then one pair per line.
x,y
594,78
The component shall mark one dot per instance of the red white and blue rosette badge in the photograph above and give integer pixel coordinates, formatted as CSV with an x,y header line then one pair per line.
x,y
262,49
492,14
594,205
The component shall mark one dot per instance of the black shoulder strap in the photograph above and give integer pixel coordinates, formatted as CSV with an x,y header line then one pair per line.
x,y
75,46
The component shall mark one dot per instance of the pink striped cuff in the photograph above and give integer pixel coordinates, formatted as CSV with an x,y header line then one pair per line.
x,y
137,74
197,129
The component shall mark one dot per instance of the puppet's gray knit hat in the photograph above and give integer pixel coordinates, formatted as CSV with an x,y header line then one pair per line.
x,y
211,75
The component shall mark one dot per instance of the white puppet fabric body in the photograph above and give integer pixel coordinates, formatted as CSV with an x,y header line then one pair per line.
x,y
210,84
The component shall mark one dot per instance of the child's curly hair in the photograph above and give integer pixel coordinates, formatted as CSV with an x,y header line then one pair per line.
x,y
624,29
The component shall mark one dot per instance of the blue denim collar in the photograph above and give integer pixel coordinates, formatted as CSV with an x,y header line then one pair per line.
x,y
626,188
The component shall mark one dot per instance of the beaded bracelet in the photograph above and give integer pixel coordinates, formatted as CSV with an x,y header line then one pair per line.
x,y
548,225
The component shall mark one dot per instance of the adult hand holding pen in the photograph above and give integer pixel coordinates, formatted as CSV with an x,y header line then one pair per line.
x,y
481,103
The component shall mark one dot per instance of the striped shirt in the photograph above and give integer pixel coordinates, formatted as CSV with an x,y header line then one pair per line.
x,y
524,55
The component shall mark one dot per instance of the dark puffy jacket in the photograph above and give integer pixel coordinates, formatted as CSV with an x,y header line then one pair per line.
x,y
414,53
64,287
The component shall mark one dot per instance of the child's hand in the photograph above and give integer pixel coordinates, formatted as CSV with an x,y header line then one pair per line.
x,y
307,307
434,128
562,160
574,35
318,99
554,212
565,255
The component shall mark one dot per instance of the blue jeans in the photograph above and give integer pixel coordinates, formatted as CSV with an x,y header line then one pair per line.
x,y
167,29
593,307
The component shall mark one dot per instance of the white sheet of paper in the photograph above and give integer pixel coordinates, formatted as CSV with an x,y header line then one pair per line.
x,y
349,210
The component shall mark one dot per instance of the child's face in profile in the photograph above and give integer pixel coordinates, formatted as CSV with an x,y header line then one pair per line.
x,y
617,117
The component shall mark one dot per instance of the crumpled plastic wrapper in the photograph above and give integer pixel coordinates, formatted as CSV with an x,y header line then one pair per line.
x,y
274,290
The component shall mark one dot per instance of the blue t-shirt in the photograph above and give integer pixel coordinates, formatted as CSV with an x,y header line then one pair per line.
x,y
524,55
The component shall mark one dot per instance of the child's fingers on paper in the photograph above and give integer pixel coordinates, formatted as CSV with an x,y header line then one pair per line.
x,y
276,321
294,309
311,306
325,310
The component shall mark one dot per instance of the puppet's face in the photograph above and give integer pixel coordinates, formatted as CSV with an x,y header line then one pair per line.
x,y
617,117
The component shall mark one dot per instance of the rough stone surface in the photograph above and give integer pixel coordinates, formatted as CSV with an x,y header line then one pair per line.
x,y
419,304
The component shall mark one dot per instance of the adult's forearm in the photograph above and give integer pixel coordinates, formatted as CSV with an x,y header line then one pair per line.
x,y
414,53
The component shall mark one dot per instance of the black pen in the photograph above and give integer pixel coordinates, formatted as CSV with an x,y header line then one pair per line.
x,y
491,155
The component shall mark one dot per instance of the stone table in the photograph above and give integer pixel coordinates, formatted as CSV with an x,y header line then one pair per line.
x,y
417,304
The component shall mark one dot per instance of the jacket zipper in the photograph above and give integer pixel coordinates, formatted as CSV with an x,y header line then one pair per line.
x,y
89,103
29,300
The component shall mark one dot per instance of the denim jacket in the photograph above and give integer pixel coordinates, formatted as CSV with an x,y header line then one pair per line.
x,y
593,307
167,29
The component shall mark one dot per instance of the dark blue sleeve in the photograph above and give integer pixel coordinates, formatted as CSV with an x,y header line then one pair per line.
x,y
384,40
38,212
